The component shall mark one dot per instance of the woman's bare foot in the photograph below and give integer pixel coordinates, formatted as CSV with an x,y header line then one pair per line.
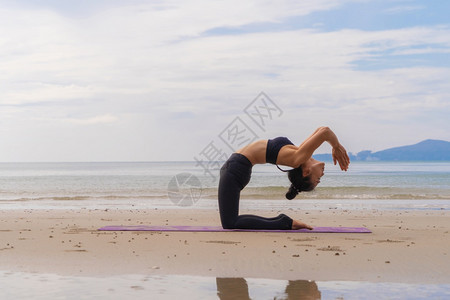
x,y
300,225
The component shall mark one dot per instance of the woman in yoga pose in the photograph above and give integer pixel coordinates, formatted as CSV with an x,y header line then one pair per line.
x,y
305,175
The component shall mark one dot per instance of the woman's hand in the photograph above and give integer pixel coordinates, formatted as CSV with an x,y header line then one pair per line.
x,y
340,155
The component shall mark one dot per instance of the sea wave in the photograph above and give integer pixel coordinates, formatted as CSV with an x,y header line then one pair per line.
x,y
86,198
257,192
346,192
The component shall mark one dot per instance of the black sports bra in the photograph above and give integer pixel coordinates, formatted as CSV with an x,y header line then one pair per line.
x,y
274,146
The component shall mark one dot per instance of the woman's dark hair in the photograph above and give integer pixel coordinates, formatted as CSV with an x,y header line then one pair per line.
x,y
298,183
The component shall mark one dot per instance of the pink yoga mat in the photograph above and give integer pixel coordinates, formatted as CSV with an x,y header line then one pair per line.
x,y
220,229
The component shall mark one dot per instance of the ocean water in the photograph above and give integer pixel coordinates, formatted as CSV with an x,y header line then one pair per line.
x,y
421,185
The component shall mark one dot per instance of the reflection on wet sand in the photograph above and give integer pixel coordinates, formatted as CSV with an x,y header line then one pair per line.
x,y
237,288
232,288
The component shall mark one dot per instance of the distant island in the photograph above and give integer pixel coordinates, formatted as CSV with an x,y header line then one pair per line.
x,y
428,150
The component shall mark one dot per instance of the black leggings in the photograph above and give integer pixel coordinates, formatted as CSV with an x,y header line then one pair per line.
x,y
234,176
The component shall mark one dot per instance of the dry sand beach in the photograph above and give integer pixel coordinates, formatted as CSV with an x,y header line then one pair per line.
x,y
405,246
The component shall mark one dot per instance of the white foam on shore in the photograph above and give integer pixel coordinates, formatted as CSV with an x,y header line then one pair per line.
x,y
245,204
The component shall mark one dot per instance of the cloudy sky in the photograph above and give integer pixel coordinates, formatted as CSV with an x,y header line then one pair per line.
x,y
110,80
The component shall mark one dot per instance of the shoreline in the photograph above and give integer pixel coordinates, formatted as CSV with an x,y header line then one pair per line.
x,y
247,203
406,246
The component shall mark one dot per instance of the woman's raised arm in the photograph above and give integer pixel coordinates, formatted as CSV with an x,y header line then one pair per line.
x,y
295,157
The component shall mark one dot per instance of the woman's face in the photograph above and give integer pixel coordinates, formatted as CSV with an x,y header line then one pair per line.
x,y
316,171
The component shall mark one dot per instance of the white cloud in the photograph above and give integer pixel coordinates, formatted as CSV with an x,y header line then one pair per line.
x,y
102,119
403,8
151,72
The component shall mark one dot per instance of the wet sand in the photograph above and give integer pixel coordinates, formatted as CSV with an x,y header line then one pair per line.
x,y
405,246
